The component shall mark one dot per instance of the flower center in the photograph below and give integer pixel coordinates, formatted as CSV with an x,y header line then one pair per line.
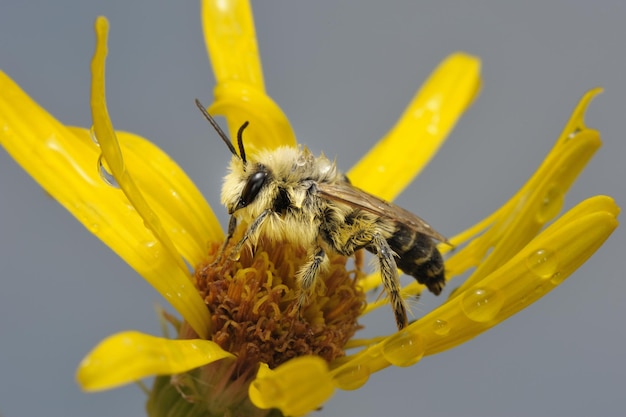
x,y
253,301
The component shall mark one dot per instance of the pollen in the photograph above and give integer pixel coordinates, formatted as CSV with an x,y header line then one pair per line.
x,y
253,303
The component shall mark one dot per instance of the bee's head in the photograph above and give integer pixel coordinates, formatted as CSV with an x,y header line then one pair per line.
x,y
244,183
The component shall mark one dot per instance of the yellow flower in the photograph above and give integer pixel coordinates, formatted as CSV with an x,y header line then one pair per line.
x,y
142,205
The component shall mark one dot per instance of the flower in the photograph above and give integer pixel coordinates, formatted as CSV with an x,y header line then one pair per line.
x,y
158,219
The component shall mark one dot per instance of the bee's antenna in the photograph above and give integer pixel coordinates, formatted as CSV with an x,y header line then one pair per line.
x,y
223,135
242,151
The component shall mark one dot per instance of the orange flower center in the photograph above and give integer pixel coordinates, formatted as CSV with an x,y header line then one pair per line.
x,y
253,302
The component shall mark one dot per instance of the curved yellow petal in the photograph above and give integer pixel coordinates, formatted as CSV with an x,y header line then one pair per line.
x,y
240,92
537,269
104,135
230,40
176,201
393,163
536,203
269,127
514,224
129,356
296,387
66,167
65,164
190,306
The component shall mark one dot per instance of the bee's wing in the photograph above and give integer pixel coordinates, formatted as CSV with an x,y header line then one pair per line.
x,y
346,193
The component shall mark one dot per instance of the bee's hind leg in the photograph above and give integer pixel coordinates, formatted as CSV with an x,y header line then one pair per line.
x,y
389,275
307,275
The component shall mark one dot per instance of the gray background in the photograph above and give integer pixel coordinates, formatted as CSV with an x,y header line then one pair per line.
x,y
343,72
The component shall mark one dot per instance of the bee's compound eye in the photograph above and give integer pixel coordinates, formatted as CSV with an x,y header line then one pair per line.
x,y
252,188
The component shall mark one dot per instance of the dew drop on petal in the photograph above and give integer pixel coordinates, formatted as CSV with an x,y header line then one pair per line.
x,y
92,133
543,263
105,174
441,327
557,278
404,348
551,204
573,133
539,289
352,377
481,304
152,248
373,353
86,214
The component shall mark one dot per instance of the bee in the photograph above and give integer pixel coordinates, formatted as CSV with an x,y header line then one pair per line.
x,y
289,194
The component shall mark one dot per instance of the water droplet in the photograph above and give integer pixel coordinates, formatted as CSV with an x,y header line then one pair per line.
x,y
551,204
92,133
573,133
557,278
372,352
152,248
105,174
441,327
543,262
404,348
301,161
481,304
353,377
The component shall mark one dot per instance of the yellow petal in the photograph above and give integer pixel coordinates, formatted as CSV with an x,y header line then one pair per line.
x,y
296,387
536,203
66,166
112,155
230,39
393,163
539,268
536,270
511,226
183,211
240,93
104,134
129,356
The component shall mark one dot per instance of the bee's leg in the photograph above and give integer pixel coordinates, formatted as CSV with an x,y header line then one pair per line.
x,y
389,275
308,275
252,229
232,225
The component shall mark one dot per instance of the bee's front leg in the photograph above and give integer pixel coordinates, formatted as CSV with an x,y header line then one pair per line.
x,y
307,275
250,231
232,225
389,275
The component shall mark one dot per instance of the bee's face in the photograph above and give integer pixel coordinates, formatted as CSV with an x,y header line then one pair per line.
x,y
246,188
260,183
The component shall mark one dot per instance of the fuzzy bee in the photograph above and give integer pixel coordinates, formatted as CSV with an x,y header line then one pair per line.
x,y
289,194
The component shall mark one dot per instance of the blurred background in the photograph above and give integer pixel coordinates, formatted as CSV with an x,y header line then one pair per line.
x,y
343,73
